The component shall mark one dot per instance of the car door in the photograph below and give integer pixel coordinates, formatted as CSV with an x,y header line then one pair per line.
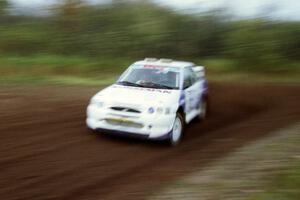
x,y
190,90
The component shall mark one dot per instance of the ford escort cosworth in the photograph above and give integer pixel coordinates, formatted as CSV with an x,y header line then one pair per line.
x,y
153,99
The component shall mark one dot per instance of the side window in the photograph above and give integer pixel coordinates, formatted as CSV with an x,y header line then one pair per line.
x,y
189,77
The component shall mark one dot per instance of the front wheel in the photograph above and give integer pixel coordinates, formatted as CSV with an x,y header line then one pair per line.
x,y
177,130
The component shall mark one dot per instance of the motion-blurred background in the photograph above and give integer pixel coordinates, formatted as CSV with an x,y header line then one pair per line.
x,y
90,41
247,149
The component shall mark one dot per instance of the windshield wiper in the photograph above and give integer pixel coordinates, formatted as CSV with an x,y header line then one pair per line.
x,y
127,83
150,84
161,86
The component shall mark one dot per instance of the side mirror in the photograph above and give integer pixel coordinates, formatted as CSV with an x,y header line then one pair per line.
x,y
200,71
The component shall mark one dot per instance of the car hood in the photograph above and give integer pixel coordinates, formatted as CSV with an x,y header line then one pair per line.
x,y
139,96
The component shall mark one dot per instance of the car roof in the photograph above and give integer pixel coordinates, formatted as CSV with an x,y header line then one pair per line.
x,y
164,62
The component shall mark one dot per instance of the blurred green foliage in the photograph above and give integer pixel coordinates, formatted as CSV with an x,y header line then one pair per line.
x,y
284,186
136,29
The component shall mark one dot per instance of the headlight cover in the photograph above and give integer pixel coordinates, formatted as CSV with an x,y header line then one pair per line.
x,y
97,102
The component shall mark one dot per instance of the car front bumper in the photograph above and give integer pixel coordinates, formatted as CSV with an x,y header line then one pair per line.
x,y
144,125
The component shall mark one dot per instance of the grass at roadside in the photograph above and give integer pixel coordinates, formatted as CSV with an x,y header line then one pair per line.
x,y
284,186
56,80
73,70
61,70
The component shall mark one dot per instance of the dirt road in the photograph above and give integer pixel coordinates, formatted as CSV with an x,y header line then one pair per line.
x,y
46,152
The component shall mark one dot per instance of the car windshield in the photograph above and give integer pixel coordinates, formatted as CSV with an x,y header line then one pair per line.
x,y
151,76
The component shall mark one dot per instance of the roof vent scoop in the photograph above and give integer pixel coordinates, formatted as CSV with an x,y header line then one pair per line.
x,y
151,59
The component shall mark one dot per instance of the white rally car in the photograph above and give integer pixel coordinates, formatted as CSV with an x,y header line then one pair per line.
x,y
153,99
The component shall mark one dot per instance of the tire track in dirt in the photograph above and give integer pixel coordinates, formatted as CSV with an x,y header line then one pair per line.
x,y
72,164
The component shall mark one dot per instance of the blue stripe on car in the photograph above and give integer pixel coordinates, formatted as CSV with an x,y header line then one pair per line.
x,y
182,99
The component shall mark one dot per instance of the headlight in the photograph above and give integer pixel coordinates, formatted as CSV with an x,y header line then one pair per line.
x,y
97,103
100,104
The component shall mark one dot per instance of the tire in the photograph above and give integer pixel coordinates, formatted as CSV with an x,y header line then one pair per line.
x,y
177,130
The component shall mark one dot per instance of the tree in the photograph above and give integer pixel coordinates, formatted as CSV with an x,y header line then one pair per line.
x,y
3,6
3,10
67,24
254,44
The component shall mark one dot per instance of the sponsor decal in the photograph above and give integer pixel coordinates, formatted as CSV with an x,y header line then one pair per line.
x,y
153,67
161,69
151,110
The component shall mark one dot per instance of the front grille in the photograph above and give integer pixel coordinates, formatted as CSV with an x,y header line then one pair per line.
x,y
124,123
125,109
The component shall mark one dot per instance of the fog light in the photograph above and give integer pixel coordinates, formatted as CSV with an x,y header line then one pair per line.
x,y
168,111
159,110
